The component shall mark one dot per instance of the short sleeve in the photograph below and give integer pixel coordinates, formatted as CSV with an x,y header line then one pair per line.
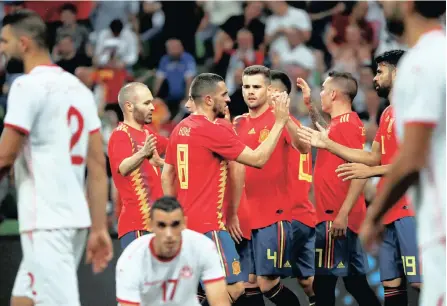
x,y
119,149
425,106
350,134
24,104
127,280
222,139
211,268
93,122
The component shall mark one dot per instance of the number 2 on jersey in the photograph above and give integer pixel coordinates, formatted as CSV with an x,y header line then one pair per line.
x,y
182,165
304,173
74,113
169,286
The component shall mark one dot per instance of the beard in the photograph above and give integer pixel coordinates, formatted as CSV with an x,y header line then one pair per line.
x,y
14,65
383,91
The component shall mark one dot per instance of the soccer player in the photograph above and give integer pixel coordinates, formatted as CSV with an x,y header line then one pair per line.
x,y
131,146
340,206
50,160
419,101
303,211
270,206
196,167
398,256
165,267
237,214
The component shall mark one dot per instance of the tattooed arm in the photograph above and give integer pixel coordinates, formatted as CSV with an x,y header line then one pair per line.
x,y
314,112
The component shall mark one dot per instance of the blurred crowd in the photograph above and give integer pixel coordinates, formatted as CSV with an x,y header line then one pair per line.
x,y
165,44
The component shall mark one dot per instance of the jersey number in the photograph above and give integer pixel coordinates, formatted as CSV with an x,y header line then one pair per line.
x,y
383,144
304,173
74,113
169,287
182,165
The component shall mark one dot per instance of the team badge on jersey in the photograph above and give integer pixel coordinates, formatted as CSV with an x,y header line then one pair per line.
x,y
236,267
186,272
263,135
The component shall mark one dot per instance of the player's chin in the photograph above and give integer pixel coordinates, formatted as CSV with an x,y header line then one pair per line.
x,y
148,120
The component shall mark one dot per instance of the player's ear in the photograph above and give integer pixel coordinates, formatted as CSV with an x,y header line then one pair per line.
x,y
208,100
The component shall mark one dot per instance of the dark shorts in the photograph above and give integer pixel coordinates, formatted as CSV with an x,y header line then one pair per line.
x,y
271,247
245,251
338,257
228,255
303,250
126,239
398,255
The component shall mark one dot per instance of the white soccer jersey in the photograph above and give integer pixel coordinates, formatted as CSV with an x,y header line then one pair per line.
x,y
45,104
141,277
419,98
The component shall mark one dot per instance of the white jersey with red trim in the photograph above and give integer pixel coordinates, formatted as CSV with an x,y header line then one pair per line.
x,y
142,278
57,112
419,95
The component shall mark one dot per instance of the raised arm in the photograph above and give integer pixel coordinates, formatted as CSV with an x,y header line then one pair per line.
x,y
258,157
314,113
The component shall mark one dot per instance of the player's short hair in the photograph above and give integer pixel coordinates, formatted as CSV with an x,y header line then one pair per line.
x,y
204,84
346,81
69,7
430,9
276,75
258,69
391,58
116,26
166,204
30,23
127,91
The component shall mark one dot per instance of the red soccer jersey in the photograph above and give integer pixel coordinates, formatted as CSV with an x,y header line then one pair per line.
x,y
266,188
330,190
243,212
387,138
199,150
300,180
138,190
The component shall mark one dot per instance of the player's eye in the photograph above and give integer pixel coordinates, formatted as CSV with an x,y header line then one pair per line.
x,y
161,225
175,224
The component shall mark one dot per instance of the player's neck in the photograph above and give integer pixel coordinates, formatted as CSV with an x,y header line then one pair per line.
x,y
38,58
133,124
209,114
340,109
256,112
417,27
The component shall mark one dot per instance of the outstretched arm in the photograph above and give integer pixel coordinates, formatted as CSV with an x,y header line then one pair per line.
x,y
314,112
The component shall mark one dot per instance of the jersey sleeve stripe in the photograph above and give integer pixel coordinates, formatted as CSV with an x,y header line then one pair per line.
x,y
427,123
213,280
94,131
17,128
127,302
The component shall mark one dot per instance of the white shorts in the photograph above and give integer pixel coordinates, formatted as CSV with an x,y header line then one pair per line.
x,y
48,271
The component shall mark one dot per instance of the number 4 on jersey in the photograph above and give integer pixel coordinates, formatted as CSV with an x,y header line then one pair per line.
x,y
73,113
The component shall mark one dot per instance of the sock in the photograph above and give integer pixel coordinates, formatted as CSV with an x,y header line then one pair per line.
x,y
359,288
324,288
396,296
282,296
252,297
312,300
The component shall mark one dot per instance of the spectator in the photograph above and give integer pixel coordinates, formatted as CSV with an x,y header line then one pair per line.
x,y
151,21
227,36
245,55
67,56
286,17
70,27
293,50
176,71
117,43
107,11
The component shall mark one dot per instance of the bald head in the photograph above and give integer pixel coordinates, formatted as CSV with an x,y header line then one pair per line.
x,y
133,93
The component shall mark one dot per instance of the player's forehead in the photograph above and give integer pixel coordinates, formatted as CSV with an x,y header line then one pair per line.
x,y
167,217
277,85
143,94
383,66
252,80
6,32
